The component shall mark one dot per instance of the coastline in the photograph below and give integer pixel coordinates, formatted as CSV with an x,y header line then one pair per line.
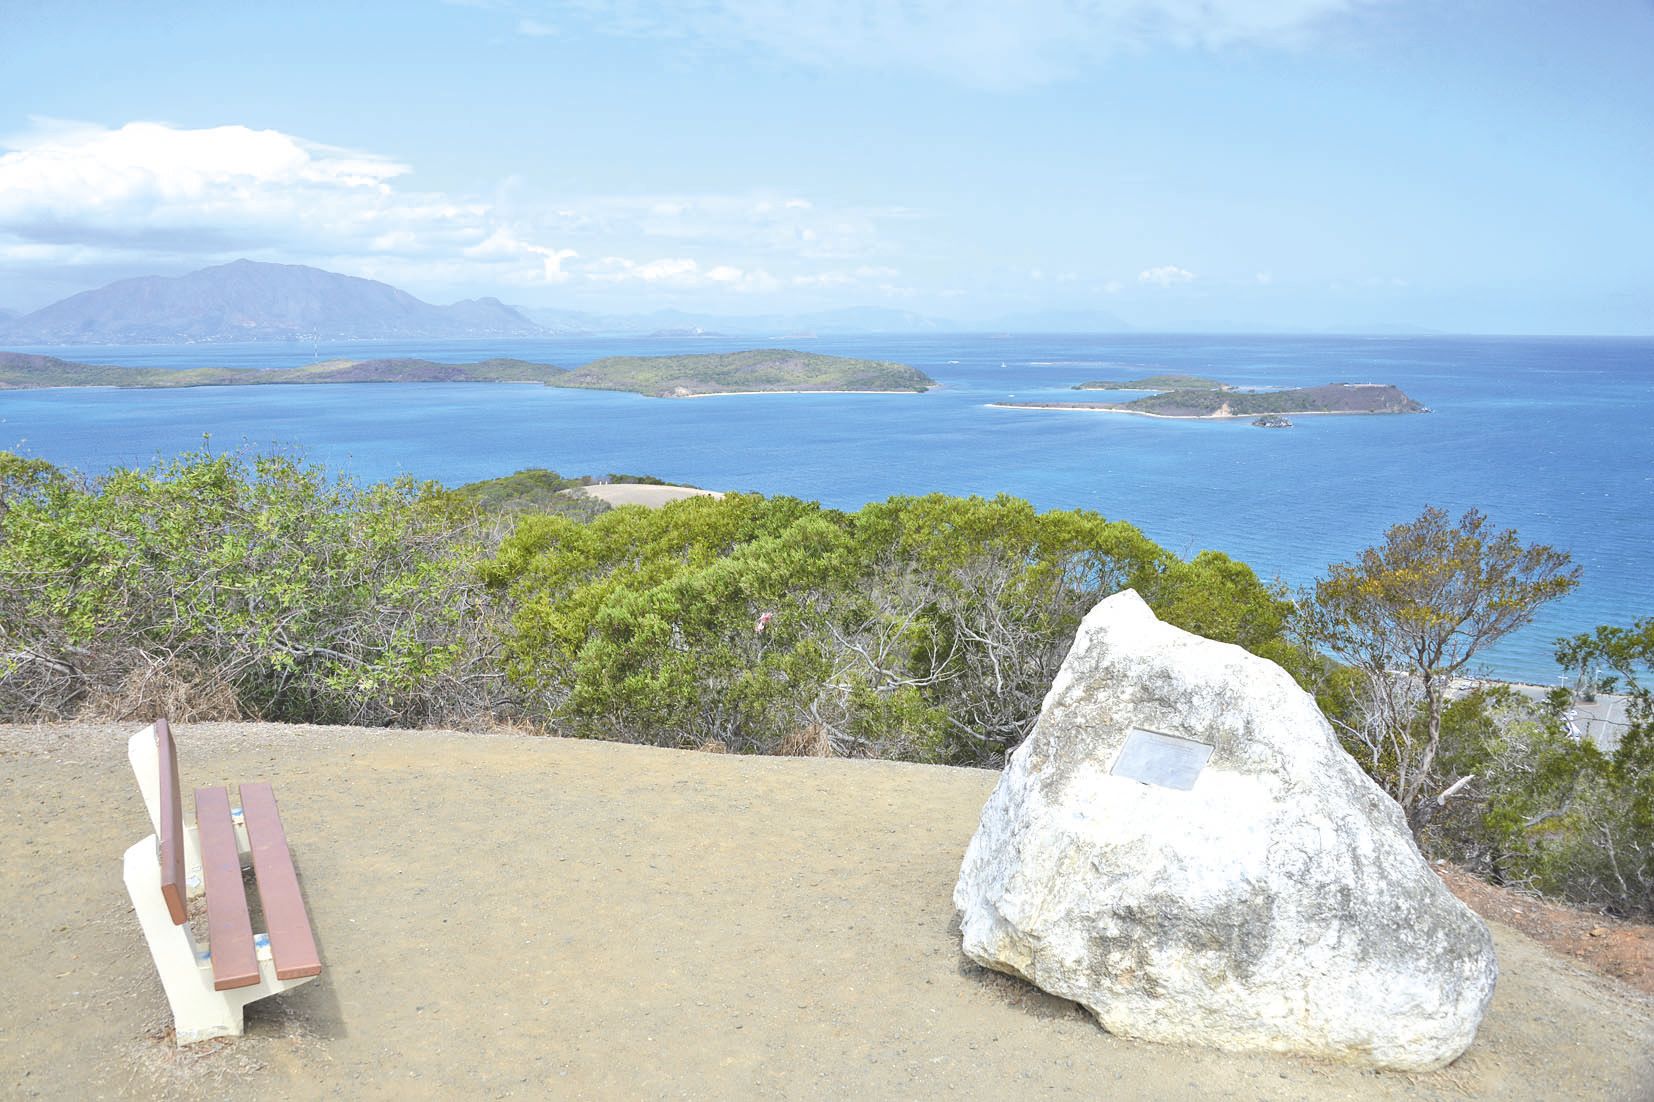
x,y
448,382
1074,407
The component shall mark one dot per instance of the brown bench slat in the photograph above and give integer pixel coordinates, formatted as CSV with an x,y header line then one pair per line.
x,y
291,943
229,929
173,888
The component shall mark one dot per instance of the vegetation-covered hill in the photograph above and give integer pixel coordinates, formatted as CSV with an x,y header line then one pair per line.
x,y
657,376
21,370
738,372
1329,398
1374,398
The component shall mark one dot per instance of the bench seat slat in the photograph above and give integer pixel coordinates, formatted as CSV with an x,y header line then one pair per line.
x,y
170,839
292,945
229,929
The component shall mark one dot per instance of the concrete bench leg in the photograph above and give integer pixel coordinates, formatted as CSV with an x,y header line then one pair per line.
x,y
198,1011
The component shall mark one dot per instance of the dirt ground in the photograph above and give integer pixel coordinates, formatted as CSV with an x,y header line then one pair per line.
x,y
1624,950
505,915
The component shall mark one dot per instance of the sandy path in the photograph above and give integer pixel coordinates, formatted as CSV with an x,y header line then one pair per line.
x,y
507,915
631,493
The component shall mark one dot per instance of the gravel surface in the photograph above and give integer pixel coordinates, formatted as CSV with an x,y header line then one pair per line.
x,y
508,915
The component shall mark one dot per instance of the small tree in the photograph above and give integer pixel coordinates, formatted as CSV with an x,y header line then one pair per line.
x,y
1410,615
1622,824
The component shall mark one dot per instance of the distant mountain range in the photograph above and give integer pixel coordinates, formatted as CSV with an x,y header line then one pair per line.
x,y
249,301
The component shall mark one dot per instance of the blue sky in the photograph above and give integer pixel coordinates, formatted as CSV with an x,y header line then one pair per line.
x,y
1473,167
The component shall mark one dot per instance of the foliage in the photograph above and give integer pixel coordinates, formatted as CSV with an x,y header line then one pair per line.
x,y
925,628
533,489
1545,809
1622,823
1409,616
233,585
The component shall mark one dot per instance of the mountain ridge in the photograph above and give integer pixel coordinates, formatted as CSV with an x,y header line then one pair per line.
x,y
248,300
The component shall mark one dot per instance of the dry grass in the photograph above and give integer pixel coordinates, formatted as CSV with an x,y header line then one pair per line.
x,y
181,693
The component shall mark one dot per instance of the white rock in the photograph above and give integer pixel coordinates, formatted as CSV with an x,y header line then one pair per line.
x,y
1279,903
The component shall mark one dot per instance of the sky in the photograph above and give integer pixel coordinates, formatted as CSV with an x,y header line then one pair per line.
x,y
1472,166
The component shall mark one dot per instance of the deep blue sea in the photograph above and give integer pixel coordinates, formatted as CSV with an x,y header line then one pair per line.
x,y
1554,437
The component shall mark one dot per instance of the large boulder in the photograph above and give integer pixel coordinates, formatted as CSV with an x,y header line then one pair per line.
x,y
1268,896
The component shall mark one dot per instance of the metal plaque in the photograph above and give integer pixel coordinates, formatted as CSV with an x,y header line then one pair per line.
x,y
1165,760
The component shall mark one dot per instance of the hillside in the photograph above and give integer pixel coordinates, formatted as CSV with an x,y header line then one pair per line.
x,y
1188,403
1329,398
741,372
250,301
23,371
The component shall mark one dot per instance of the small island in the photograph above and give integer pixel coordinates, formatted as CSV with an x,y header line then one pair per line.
x,y
1191,398
763,371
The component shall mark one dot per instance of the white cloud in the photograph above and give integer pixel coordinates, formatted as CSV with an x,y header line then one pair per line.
x,y
974,41
147,186
1264,278
148,196
1167,275
534,28
503,244
680,273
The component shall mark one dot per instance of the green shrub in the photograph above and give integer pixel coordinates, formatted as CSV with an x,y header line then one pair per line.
x,y
229,585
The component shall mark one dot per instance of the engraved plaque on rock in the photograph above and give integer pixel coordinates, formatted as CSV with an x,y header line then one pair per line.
x,y
1165,760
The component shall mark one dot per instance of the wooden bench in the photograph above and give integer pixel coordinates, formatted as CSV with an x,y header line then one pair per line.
x,y
208,985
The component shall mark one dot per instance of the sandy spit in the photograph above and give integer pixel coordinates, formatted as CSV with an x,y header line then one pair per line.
x,y
508,915
1076,407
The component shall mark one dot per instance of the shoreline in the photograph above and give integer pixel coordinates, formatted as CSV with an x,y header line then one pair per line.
x,y
756,393
1080,408
441,382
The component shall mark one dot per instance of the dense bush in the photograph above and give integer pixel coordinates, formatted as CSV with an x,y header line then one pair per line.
x,y
925,628
1545,810
226,585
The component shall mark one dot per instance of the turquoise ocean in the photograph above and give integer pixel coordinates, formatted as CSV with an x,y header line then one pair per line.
x,y
1554,437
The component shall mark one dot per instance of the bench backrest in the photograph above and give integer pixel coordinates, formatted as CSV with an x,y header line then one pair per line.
x,y
154,760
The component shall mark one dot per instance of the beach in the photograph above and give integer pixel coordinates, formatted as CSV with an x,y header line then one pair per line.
x,y
504,914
